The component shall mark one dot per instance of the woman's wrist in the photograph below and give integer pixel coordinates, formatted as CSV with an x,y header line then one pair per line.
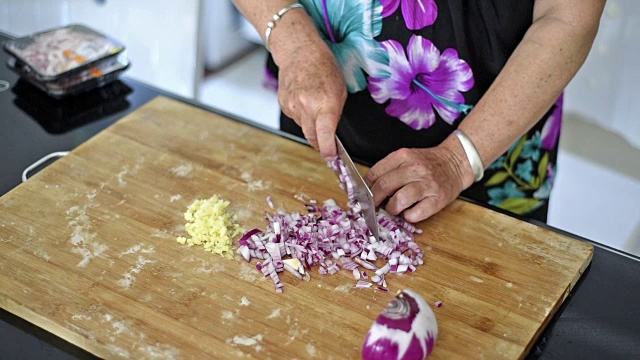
x,y
459,160
294,32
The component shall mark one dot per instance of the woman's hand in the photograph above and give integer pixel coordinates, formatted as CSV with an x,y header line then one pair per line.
x,y
419,182
312,91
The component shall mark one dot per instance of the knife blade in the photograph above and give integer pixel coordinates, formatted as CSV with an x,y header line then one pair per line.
x,y
363,193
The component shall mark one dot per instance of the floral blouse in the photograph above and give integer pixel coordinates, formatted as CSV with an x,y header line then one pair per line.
x,y
415,68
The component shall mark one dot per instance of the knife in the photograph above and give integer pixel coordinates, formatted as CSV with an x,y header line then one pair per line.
x,y
363,193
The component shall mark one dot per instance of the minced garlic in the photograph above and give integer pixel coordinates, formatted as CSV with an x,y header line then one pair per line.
x,y
209,224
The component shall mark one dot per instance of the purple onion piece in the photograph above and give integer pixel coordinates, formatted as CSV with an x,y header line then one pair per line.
x,y
361,284
405,329
248,235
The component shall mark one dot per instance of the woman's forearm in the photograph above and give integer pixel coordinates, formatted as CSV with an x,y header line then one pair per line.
x,y
293,31
552,51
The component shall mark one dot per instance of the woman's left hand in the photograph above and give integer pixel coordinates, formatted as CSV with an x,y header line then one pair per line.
x,y
418,182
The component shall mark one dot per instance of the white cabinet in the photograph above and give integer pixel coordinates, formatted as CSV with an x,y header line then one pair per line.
x,y
223,38
162,36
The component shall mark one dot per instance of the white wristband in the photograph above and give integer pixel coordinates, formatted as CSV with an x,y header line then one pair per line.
x,y
272,24
472,155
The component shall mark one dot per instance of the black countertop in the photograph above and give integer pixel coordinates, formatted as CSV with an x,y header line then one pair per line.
x,y
600,318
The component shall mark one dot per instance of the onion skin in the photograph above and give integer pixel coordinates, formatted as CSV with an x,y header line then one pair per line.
x,y
406,329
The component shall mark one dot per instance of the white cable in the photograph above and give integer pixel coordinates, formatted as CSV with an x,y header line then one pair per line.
x,y
42,161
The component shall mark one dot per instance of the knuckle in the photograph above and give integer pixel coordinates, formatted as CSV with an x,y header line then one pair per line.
x,y
403,200
394,207
404,152
435,187
416,215
384,183
417,168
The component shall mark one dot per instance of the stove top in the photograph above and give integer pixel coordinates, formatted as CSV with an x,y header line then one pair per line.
x,y
33,125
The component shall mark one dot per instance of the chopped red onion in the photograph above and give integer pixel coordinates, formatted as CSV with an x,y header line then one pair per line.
x,y
244,239
245,252
329,233
356,274
269,202
438,303
293,271
363,284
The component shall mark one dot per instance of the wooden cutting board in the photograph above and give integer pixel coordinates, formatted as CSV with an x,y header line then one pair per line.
x,y
88,252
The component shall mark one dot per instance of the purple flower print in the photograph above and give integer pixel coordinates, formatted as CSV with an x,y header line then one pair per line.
x,y
417,14
422,81
551,129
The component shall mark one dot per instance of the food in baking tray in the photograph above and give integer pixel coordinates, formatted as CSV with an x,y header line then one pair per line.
x,y
53,53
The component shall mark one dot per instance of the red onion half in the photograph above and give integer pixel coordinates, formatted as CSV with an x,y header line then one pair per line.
x,y
332,239
406,329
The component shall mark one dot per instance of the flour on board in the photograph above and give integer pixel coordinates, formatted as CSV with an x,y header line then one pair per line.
x,y
295,331
344,288
127,170
274,314
175,198
182,170
138,248
129,277
254,185
160,351
247,341
92,194
301,197
205,267
248,273
227,315
39,252
311,350
83,238
118,351
161,235
79,330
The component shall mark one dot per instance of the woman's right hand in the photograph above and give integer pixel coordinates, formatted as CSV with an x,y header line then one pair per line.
x,y
311,88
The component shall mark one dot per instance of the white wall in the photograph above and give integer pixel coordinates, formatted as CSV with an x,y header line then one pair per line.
x,y
605,91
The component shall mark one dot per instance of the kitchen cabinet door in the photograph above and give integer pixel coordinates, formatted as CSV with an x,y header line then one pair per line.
x,y
161,37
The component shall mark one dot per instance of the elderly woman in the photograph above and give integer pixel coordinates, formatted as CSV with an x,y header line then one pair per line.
x,y
442,97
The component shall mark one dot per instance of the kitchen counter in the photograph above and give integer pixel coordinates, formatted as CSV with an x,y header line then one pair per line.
x,y
599,319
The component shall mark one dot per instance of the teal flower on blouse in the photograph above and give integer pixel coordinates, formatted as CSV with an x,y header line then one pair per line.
x,y
499,194
498,164
525,170
349,28
532,146
544,191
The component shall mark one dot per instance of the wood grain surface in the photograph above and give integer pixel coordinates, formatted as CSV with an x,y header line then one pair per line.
x,y
88,252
